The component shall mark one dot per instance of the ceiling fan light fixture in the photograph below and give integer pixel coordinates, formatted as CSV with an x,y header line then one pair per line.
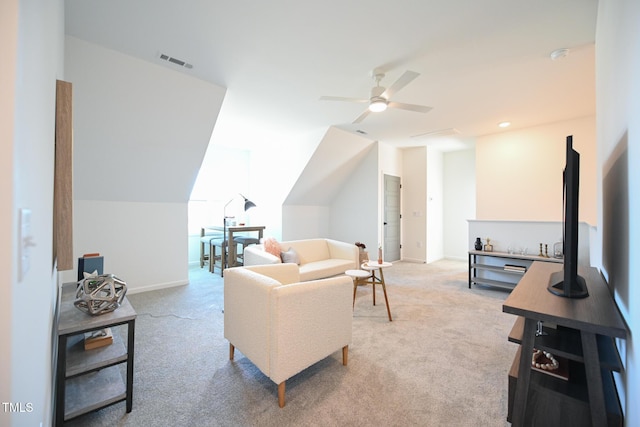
x,y
378,105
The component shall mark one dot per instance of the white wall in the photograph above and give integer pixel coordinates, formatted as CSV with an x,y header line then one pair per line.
x,y
618,167
435,205
352,214
31,35
305,222
423,205
274,169
223,176
143,244
414,204
339,159
8,260
132,116
519,173
459,201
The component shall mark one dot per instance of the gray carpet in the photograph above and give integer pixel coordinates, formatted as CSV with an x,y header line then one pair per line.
x,y
443,361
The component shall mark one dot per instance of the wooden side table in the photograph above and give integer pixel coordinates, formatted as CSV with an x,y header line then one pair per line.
x,y
375,277
90,380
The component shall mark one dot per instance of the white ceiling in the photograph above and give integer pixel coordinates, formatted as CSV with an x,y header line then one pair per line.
x,y
481,62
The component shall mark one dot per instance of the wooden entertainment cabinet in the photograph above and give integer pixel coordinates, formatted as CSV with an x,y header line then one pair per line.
x,y
582,331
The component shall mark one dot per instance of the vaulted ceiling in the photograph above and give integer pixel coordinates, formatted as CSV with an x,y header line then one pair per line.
x,y
480,62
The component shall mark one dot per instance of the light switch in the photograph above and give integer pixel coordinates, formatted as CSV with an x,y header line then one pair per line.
x,y
25,242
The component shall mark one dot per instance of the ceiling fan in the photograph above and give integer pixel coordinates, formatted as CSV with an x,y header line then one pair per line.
x,y
380,96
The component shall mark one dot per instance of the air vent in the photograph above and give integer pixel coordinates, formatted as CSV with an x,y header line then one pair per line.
x,y
176,61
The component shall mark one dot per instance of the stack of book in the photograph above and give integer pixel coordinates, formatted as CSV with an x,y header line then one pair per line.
x,y
90,263
512,267
99,338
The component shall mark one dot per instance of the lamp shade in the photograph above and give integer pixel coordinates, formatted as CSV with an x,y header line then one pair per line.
x,y
248,204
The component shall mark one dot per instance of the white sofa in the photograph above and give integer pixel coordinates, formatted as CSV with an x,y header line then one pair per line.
x,y
283,325
318,258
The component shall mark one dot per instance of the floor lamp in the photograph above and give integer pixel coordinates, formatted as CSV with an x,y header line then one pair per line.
x,y
248,204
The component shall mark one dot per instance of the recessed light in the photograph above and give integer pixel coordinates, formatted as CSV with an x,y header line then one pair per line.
x,y
504,124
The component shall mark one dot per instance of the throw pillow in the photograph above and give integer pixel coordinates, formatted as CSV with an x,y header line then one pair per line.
x,y
272,246
290,256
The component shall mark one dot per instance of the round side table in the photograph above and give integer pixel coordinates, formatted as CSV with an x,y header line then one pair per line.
x,y
359,278
376,277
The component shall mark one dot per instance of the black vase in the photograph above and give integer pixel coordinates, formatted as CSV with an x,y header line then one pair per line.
x,y
478,244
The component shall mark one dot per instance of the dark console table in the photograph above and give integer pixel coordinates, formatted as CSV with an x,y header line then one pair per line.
x,y
580,330
88,380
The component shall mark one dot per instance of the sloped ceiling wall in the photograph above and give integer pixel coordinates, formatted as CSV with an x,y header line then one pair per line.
x,y
334,160
140,130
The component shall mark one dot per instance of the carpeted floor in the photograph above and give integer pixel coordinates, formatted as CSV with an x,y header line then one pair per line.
x,y
443,361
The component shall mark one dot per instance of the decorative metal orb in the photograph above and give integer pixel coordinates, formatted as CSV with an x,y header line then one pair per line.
x,y
100,294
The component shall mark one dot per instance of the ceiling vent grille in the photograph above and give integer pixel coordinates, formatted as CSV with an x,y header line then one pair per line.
x,y
176,61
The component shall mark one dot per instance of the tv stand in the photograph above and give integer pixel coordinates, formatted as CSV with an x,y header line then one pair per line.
x,y
582,331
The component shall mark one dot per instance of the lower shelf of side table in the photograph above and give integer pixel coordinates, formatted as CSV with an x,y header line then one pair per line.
x,y
80,360
557,402
93,391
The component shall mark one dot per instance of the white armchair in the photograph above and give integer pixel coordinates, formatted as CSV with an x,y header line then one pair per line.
x,y
283,325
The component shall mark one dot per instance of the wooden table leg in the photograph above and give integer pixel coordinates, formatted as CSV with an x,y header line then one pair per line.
x,y
524,373
61,380
470,271
373,285
384,290
594,378
202,233
130,351
231,253
355,286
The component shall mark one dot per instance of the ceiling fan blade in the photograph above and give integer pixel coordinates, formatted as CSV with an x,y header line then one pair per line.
x,y
341,98
404,80
362,116
410,107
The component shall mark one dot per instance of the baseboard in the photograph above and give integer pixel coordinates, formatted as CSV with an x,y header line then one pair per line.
x,y
156,286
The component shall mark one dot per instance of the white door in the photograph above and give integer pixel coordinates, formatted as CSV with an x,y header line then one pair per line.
x,y
392,217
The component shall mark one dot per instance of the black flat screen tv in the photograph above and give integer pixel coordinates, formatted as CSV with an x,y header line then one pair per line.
x,y
567,283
